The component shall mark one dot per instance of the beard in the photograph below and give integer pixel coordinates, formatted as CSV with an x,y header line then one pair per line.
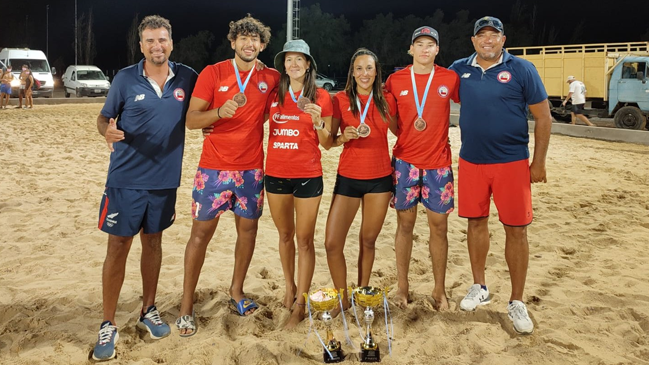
x,y
243,56
159,60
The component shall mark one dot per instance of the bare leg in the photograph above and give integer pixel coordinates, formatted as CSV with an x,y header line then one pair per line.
x,y
584,119
478,244
438,247
150,262
281,210
517,256
113,273
201,234
306,210
403,248
245,247
341,215
573,119
375,207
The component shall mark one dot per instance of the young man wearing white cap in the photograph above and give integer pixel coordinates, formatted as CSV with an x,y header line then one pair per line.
x,y
422,158
577,93
496,89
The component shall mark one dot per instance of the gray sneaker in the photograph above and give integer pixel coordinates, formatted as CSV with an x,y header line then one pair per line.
x,y
475,297
518,314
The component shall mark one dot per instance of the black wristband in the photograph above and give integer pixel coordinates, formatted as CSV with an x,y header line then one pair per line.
x,y
218,112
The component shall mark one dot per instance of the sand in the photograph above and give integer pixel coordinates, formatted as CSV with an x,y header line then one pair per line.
x,y
587,288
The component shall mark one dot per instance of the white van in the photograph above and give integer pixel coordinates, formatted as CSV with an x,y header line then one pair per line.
x,y
37,62
85,80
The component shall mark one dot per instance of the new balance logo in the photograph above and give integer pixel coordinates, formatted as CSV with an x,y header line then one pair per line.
x,y
274,104
466,75
223,88
139,97
403,92
111,216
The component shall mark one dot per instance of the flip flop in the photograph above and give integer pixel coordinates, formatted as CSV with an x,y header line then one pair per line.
x,y
187,322
243,306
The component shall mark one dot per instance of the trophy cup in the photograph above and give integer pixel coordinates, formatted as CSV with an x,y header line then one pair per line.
x,y
368,297
325,300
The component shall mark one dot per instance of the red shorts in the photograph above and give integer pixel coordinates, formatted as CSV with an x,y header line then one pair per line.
x,y
508,182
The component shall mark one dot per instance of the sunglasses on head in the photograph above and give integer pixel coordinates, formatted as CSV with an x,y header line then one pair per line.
x,y
494,23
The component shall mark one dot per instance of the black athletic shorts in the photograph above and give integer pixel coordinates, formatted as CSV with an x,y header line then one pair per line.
x,y
578,108
356,188
300,187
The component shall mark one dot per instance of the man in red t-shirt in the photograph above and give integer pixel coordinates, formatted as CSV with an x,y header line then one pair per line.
x,y
232,98
422,157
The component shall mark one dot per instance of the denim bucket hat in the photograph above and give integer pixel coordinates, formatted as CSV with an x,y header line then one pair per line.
x,y
295,45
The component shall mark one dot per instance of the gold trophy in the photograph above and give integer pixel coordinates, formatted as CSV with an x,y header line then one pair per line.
x,y
325,300
368,297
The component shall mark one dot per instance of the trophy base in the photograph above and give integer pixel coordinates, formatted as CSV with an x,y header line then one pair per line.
x,y
336,355
370,355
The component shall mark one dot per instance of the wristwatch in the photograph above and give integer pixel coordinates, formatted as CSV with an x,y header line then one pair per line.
x,y
321,126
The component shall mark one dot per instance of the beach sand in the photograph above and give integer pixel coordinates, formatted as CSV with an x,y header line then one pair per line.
x,y
587,289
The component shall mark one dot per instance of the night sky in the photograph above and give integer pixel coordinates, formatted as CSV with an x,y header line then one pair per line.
x,y
24,22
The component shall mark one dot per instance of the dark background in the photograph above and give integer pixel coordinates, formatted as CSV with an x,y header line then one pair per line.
x,y
555,22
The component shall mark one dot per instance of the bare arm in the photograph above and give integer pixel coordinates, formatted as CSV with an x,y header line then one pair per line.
x,y
542,128
567,98
199,117
340,139
393,124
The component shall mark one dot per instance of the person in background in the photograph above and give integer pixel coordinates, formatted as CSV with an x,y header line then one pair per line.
x,y
577,94
5,86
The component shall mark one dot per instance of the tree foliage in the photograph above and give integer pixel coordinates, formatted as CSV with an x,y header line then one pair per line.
x,y
86,39
194,51
133,41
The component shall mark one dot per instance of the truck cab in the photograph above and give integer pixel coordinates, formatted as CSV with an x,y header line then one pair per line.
x,y
629,90
615,76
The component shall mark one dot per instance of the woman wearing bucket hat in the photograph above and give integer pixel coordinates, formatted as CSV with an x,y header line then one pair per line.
x,y
300,121
363,112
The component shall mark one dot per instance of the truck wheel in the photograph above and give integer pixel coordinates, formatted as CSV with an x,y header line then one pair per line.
x,y
630,117
67,94
328,86
78,93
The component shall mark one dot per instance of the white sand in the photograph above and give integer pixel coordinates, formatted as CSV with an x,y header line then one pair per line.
x,y
587,288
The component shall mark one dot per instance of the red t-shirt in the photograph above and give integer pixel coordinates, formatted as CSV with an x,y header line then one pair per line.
x,y
428,149
235,143
369,157
293,145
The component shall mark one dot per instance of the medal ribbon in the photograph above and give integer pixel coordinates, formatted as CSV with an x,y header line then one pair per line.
x,y
290,91
367,107
420,107
242,87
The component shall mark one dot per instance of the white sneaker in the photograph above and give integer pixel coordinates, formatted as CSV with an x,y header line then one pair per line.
x,y
475,297
518,314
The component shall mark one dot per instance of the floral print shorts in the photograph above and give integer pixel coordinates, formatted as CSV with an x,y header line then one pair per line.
x,y
217,191
433,188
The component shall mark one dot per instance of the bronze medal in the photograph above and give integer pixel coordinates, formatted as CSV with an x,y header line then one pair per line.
x,y
302,102
363,130
240,99
420,124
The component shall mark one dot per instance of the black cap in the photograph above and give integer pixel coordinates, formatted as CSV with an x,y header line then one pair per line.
x,y
425,31
488,21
